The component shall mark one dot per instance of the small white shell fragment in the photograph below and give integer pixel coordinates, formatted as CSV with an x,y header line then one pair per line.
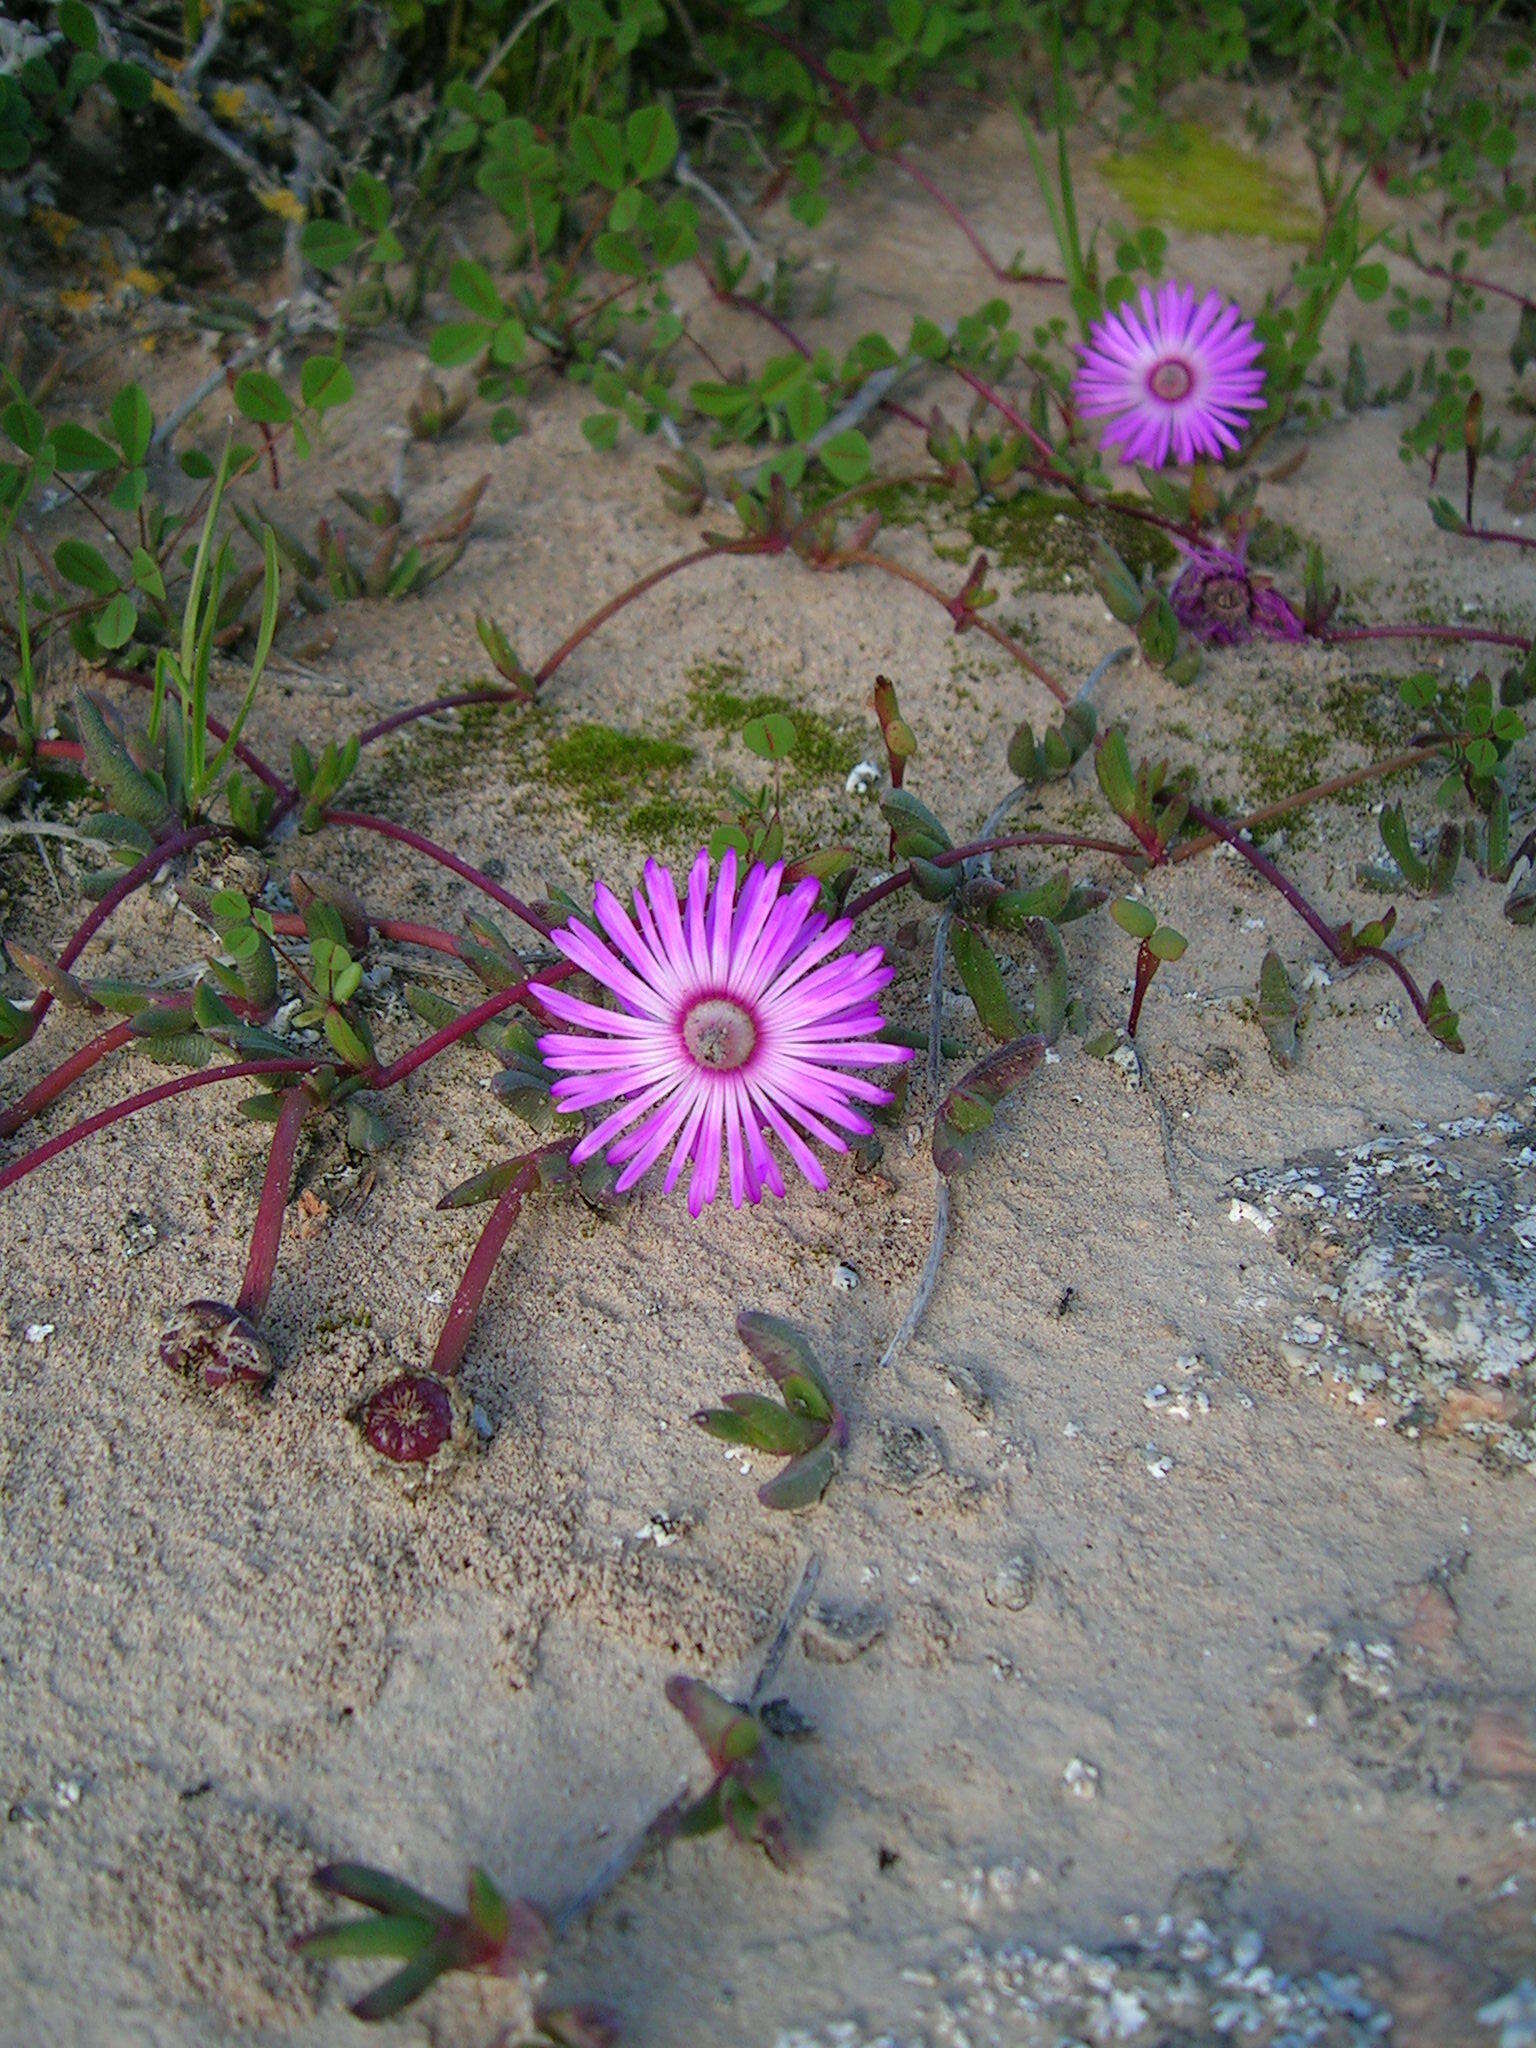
x,y
39,1333
1245,1212
862,779
844,1278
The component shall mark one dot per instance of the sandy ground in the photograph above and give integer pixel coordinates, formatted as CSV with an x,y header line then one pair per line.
x,y
1249,1663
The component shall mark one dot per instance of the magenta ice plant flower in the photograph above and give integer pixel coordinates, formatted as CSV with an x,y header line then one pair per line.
x,y
1219,600
1174,376
738,1019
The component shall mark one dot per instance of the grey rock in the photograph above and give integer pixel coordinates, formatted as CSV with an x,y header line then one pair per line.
x,y
1425,1243
1013,1583
908,1455
836,1635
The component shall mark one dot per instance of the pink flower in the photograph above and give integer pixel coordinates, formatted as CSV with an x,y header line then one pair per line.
x,y
1172,377
1218,598
735,1020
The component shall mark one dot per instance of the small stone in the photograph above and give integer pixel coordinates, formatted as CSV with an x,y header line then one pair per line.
x,y
844,1278
785,1722
1126,1061
140,1233
909,1455
39,1333
1012,1585
836,1635
969,1391
1081,1779
861,779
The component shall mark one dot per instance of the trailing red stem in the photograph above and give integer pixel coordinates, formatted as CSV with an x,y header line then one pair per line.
x,y
63,1077
469,1023
261,1263
363,821
1487,636
240,1070
1314,919
453,1339
141,872
879,891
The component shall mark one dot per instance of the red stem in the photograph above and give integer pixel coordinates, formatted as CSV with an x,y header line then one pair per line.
x,y
486,694
63,1076
275,1188
879,891
1263,865
247,755
1146,967
1043,448
1469,282
964,616
141,872
399,931
1514,540
362,821
453,1339
465,1026
240,1070
920,177
647,582
738,303
1487,636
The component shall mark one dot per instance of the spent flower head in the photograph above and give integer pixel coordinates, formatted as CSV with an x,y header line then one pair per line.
x,y
217,1345
1220,601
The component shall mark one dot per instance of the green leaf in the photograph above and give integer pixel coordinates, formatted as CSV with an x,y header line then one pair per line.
x,y
1166,944
984,985
84,565
369,199
650,138
78,22
967,1110
597,150
408,1984
761,1424
787,1356
475,289
771,738
602,429
77,448
458,342
114,624
1133,917
133,422
261,398
1369,280
329,244
395,1934
846,457
803,1481
325,382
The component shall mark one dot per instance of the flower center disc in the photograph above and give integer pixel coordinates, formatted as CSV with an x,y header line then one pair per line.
x,y
1171,381
719,1034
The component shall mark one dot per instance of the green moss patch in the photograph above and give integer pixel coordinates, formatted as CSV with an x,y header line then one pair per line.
x,y
1047,534
719,700
1191,179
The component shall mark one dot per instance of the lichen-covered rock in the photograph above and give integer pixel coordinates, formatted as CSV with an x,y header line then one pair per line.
x,y
1426,1245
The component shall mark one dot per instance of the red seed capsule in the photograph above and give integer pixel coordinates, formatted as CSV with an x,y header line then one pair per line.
x,y
409,1419
216,1345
